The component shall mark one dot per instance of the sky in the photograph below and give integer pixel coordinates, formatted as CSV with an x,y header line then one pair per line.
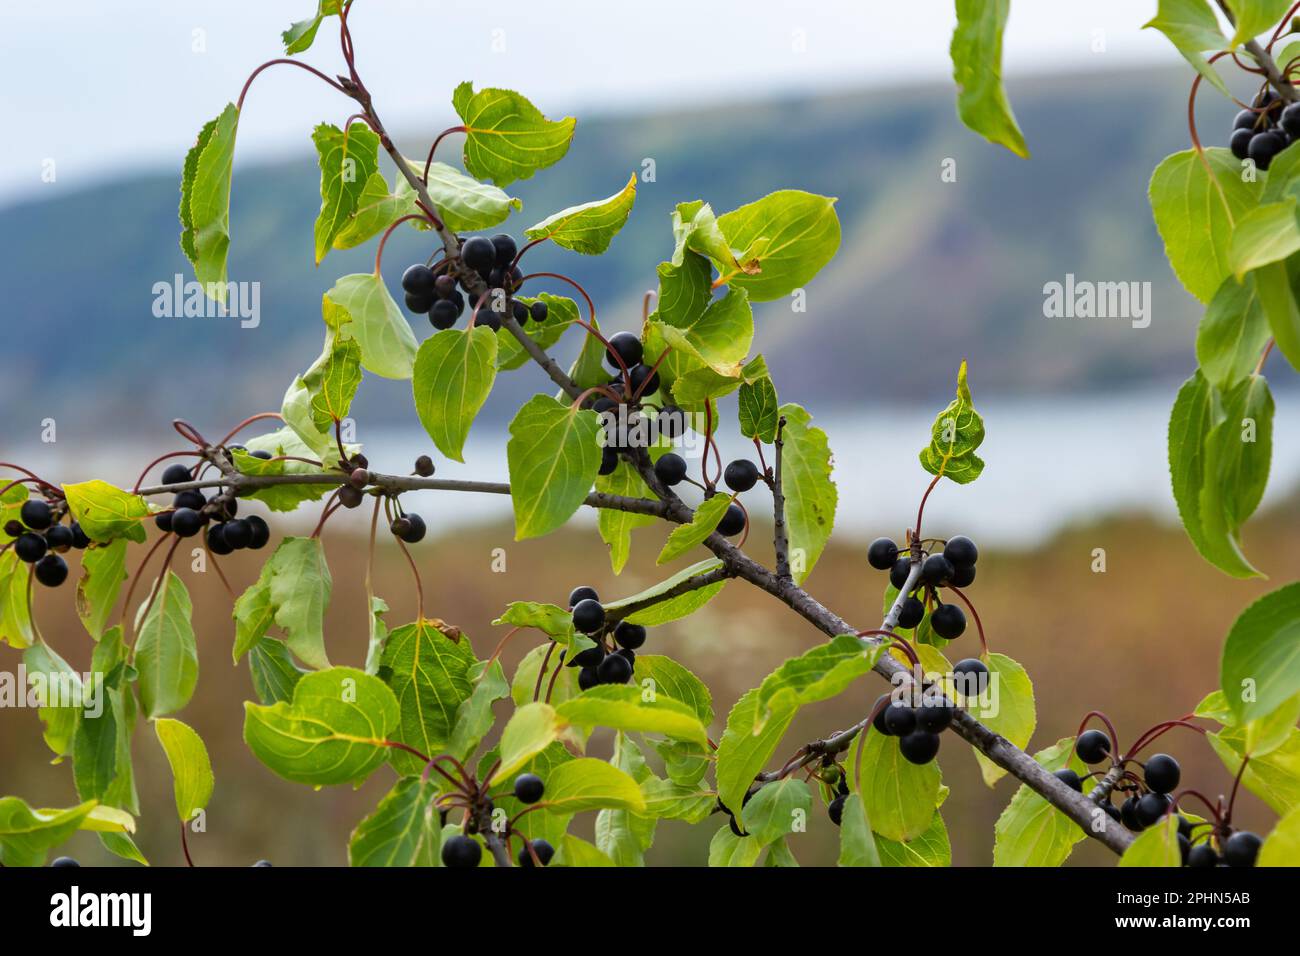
x,y
94,90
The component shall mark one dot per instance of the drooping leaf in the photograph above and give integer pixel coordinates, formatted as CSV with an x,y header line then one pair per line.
x,y
616,526
1195,210
1268,233
205,202
590,227
758,410
976,52
60,715
27,835
1277,284
590,784
957,431
900,797
1260,667
1155,846
454,372
16,628
931,848
674,608
692,534
553,456
466,204
666,675
630,708
333,731
388,345
300,35
790,234
340,377
429,674
1232,333
191,769
530,730
779,809
1238,449
810,495
858,845
403,831
507,137
1192,28
299,584
166,654
103,570
347,159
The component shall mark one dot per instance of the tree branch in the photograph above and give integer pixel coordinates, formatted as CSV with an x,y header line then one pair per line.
x,y
781,535
1265,60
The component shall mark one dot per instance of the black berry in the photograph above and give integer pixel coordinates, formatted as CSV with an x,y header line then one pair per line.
x,y
1290,119
189,499
1162,773
835,810
414,530
934,718
1069,778
30,547
644,381
538,311
1241,849
419,280
919,747
260,532
970,677
587,678
443,314
588,616
36,514
900,720
1151,807
175,474
1129,816
961,550
628,635
14,527
588,658
65,861
741,475
186,522
479,254
237,533
424,466
1092,746
670,469
582,594
614,669
733,522
671,421
1239,143
350,496
419,304
79,538
1202,856
911,613
461,852
163,521
899,572
529,788
543,850
505,248
1264,146
882,553
936,570
51,570
880,706
216,538
948,621
628,348
963,576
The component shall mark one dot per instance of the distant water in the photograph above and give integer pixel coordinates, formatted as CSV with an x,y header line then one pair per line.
x,y
1050,462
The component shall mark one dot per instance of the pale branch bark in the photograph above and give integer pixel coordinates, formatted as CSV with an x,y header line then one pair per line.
x,y
693,583
539,355
1265,61
780,534
1101,793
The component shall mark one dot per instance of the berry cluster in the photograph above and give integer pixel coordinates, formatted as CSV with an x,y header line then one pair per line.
x,y
1150,799
1264,130
433,291
740,476
916,727
191,512
40,539
606,663
953,567
835,809
464,852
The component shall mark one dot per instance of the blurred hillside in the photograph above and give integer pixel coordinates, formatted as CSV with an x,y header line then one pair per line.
x,y
928,272
1140,642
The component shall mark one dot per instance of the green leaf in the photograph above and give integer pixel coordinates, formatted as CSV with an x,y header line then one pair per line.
x,y
333,731
1277,285
1192,28
666,675
121,845
15,610
286,441
387,343
377,208
545,826
550,619
1032,832
1232,333
976,52
625,835
60,722
857,842
931,848
1255,17
779,809
273,671
205,201
506,137
1238,450
1268,233
403,831
465,204
1282,846
786,238
630,708
616,526
429,674
300,35
745,748
561,313
474,717
810,495
1013,716
530,730
191,768
1260,668
106,512
454,372
103,569
727,849
1190,423
576,852
1196,210
758,410
94,751
672,801
340,377
675,608
718,336
1274,776
1155,846
26,835
590,784
347,161
900,797
590,227
297,586
957,431
692,534
165,651
525,679
553,456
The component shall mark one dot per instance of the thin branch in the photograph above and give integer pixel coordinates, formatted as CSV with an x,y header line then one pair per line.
x,y
781,538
